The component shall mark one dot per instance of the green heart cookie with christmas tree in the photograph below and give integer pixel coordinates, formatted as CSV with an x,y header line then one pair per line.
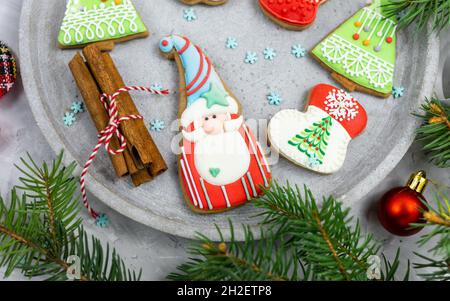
x,y
361,52
90,21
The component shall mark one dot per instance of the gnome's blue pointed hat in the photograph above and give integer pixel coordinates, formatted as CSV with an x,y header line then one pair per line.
x,y
205,92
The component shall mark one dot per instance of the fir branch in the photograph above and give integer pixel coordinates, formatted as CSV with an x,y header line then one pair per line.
x,y
323,237
236,261
435,132
40,230
303,242
420,12
439,221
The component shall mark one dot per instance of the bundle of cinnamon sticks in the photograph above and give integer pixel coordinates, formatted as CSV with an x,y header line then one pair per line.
x,y
95,73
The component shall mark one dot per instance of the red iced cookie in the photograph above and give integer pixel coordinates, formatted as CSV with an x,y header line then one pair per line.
x,y
291,14
8,69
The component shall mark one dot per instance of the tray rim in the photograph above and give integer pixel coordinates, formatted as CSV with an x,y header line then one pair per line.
x,y
173,227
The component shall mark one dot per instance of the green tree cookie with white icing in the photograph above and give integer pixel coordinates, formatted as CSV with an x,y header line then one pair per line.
x,y
361,52
89,21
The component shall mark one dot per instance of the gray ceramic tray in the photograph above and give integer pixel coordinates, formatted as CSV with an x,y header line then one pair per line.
x,y
51,89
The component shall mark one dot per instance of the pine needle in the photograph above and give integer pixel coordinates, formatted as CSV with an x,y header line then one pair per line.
x,y
420,13
40,229
435,132
438,220
304,241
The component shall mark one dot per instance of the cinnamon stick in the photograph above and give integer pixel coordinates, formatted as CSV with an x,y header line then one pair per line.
x,y
141,145
141,177
158,165
91,95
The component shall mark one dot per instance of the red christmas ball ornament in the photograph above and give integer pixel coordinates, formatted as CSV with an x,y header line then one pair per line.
x,y
403,206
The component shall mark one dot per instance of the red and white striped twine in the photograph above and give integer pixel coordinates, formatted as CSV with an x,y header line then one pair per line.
x,y
105,136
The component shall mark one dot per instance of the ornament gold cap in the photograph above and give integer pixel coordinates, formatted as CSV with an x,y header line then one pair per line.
x,y
418,181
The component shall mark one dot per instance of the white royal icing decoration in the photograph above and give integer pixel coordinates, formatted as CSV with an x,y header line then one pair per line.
x,y
191,178
227,152
288,123
341,105
358,62
87,24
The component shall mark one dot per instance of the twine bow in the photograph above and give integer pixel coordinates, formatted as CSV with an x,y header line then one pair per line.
x,y
111,130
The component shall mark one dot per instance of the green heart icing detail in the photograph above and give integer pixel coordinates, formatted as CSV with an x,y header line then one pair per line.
x,y
214,172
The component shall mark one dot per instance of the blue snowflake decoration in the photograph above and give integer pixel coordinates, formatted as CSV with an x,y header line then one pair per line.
x,y
251,58
274,99
102,221
269,54
77,107
398,92
157,125
156,87
313,161
189,15
298,51
69,118
231,43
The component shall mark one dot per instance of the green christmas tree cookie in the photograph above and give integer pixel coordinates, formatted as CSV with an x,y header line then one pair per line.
x,y
89,21
361,52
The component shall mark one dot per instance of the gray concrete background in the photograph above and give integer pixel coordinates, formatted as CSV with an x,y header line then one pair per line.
x,y
158,253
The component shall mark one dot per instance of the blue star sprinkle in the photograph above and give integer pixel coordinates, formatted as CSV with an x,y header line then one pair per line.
x,y
69,118
157,125
231,43
251,58
269,54
398,92
189,15
156,87
102,221
77,107
274,99
313,161
298,51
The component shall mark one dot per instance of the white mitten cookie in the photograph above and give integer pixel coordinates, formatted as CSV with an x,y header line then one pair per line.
x,y
318,139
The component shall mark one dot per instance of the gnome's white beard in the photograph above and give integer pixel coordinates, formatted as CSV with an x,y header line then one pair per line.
x,y
222,159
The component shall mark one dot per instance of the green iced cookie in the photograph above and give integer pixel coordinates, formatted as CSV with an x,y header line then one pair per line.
x,y
89,21
363,49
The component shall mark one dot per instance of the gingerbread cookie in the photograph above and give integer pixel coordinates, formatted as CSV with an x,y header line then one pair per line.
x,y
221,165
318,139
360,53
207,2
294,15
90,21
8,69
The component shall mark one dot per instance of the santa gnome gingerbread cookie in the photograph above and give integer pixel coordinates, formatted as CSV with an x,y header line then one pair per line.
x,y
207,2
318,139
221,165
291,14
